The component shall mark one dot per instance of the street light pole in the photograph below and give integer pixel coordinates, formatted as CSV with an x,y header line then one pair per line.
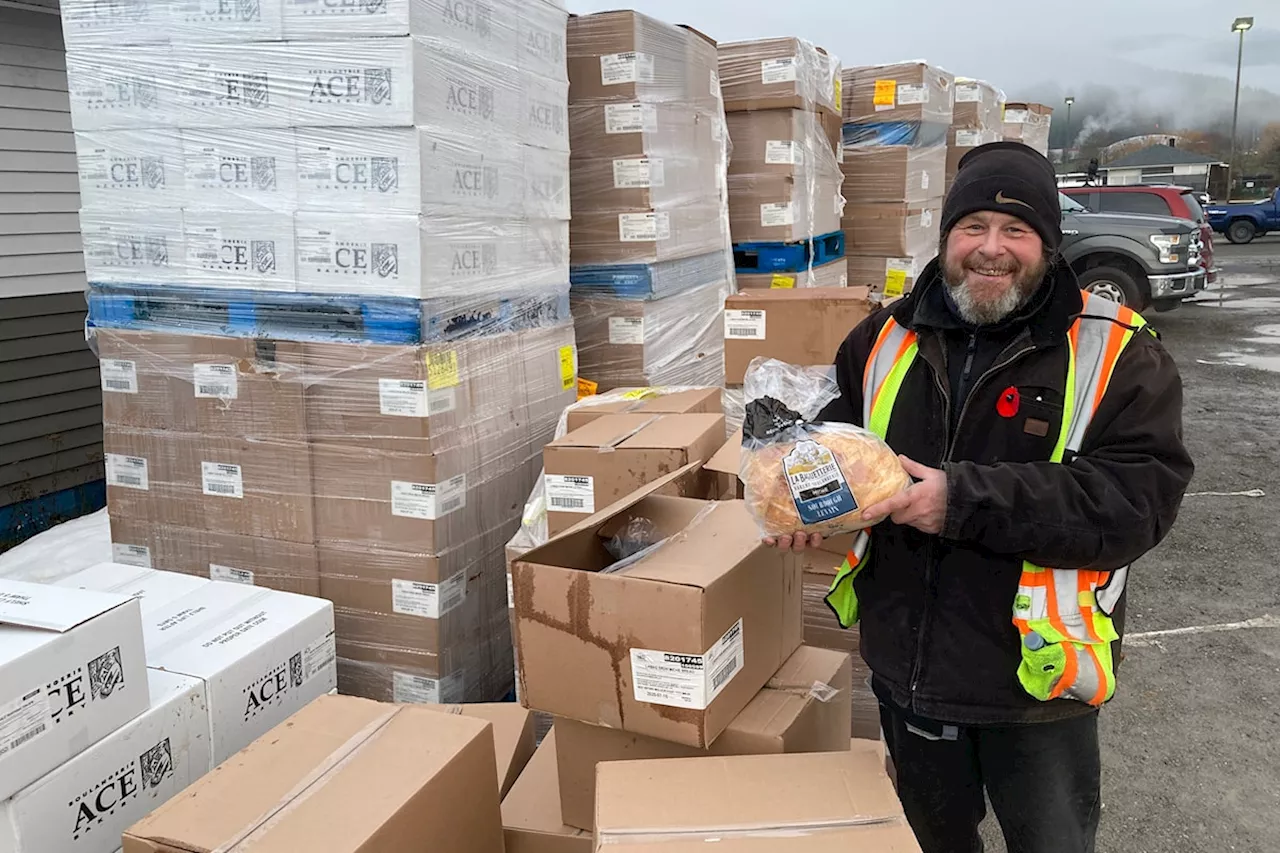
x,y
1066,148
1241,26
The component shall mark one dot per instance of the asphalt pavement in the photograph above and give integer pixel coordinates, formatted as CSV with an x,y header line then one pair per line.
x,y
1191,743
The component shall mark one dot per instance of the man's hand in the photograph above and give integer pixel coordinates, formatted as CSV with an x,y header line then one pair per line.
x,y
922,506
795,541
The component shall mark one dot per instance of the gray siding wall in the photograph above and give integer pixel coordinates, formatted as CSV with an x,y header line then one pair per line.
x,y
50,397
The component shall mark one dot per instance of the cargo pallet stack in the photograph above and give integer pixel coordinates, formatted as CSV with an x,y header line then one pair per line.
x,y
1028,124
895,155
649,238
782,102
976,121
327,249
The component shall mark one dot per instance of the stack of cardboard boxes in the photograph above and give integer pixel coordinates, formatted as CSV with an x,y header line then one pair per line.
x,y
649,237
123,685
976,121
782,100
1028,124
895,154
328,256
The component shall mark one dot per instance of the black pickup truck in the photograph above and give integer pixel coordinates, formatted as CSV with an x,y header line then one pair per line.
x,y
1138,261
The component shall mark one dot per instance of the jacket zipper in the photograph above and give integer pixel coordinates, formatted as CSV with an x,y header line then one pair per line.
x,y
950,442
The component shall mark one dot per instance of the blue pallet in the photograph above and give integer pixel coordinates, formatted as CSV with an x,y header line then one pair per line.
x,y
751,258
648,281
24,519
326,317
913,133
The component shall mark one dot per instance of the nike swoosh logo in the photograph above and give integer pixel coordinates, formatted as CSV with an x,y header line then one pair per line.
x,y
1001,198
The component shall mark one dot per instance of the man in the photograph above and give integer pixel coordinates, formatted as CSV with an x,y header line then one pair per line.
x,y
1043,430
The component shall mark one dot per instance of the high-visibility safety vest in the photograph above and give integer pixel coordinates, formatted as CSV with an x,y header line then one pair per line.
x,y
1062,615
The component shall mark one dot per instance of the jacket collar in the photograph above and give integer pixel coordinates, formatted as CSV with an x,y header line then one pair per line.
x,y
1048,322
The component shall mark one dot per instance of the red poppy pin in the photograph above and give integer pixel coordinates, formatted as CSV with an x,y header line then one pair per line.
x,y
1007,405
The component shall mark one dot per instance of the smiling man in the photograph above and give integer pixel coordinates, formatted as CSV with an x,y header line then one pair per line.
x,y
1043,429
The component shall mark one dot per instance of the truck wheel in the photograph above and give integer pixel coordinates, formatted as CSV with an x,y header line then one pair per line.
x,y
1241,231
1114,284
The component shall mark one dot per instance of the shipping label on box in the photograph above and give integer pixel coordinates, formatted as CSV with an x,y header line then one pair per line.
x,y
262,654
113,88
72,670
232,85
239,170
416,689
321,19
86,803
242,250
364,83
131,167
358,254
358,169
133,246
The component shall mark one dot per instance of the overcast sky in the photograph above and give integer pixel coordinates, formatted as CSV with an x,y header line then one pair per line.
x,y
1011,44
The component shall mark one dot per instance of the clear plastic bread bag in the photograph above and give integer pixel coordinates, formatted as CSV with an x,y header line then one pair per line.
x,y
803,475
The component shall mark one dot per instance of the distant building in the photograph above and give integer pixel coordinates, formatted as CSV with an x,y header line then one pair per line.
x,y
1162,164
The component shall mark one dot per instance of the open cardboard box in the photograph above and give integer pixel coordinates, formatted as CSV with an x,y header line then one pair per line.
x,y
675,645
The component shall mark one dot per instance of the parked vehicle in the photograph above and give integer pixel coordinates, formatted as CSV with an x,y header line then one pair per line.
x,y
1138,261
1153,200
1242,222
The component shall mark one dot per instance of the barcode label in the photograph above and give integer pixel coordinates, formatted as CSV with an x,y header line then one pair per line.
x,y
627,67
778,71
723,674
779,152
428,501
405,398
131,555
638,173
428,600
220,479
626,330
216,380
406,687
230,574
29,736
119,376
129,472
687,681
23,719
630,118
570,493
748,325
909,94
319,657
644,227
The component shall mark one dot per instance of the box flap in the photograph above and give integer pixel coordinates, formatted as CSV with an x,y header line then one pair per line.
x,y
52,608
605,431
728,459
704,796
695,400
534,802
725,536
513,734
673,431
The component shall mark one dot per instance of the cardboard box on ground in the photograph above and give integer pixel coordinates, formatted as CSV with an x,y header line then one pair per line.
x,y
531,818
804,327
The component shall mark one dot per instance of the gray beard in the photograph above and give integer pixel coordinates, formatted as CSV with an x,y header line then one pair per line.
x,y
986,313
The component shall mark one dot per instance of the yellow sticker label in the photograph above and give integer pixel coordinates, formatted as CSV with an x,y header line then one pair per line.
x,y
586,388
568,368
886,93
442,369
640,394
895,281
838,88
782,282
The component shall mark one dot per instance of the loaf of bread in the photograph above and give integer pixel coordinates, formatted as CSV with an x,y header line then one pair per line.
x,y
818,478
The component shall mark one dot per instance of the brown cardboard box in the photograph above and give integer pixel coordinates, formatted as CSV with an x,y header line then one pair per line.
x,y
725,465
531,821
145,380
627,56
675,646
803,327
782,143
512,735
899,174
778,73
781,209
645,401
1028,124
887,277
609,458
960,141
791,714
684,230
978,105
813,803
911,91
344,775
833,274
892,229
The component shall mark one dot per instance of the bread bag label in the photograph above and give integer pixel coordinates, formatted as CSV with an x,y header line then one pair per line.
x,y
818,486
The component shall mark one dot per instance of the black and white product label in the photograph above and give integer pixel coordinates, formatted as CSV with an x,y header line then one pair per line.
x,y
644,227
119,376
318,656
630,118
428,501
781,152
776,214
626,330
968,94
638,173
412,398
745,325
1016,116
627,67
908,94
570,493
926,219
924,180
419,689
968,138
903,265
216,380
687,681
428,600
23,719
131,555
230,574
511,591
222,480
127,472
778,71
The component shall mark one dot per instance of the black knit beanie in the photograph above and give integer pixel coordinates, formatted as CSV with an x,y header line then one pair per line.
x,y
1007,177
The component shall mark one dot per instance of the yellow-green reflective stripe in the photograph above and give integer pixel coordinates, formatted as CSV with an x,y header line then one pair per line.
x,y
1068,405
888,393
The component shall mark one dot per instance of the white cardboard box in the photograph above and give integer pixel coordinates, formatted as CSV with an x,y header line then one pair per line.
x,y
224,20
130,167
130,87
152,587
354,83
353,254
358,170
251,250
468,255
245,169
460,93
472,174
85,804
231,85
262,655
89,25
320,19
138,246
72,670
